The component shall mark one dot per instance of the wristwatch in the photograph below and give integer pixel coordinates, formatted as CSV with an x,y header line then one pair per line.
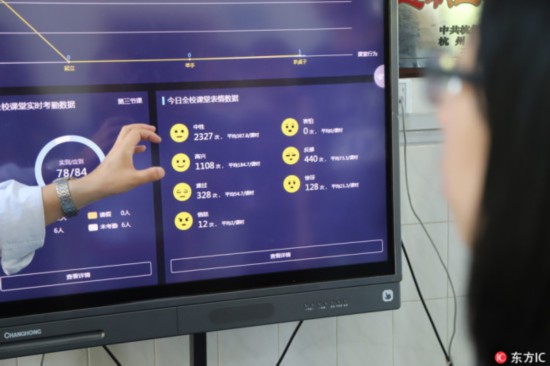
x,y
65,199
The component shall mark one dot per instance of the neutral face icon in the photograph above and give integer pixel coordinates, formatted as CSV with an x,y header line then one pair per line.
x,y
179,132
290,127
182,191
181,162
291,155
291,184
183,221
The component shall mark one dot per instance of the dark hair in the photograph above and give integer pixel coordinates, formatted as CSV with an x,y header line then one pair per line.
x,y
509,299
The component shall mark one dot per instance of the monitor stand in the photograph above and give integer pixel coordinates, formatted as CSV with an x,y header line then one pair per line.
x,y
197,349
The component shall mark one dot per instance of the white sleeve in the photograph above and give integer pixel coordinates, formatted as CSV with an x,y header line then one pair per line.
x,y
22,224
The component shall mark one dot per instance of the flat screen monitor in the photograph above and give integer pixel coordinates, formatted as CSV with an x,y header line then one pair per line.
x,y
280,150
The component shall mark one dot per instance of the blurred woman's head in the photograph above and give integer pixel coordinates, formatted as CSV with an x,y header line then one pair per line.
x,y
497,174
466,135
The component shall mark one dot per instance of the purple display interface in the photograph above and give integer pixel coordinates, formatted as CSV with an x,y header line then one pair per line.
x,y
273,179
142,41
111,244
274,136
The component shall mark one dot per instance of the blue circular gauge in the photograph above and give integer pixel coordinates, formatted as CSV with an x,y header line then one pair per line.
x,y
56,142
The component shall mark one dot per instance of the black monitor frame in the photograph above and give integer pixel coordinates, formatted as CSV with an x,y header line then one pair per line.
x,y
48,325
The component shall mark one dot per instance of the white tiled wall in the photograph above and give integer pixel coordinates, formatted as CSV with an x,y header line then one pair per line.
x,y
397,338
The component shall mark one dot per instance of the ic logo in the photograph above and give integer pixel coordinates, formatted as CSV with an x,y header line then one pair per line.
x,y
500,357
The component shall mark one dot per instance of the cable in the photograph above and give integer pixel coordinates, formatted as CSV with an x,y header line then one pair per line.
x,y
448,352
42,359
112,356
289,342
449,362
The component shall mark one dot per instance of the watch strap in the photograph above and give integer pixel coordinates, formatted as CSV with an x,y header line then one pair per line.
x,y
65,199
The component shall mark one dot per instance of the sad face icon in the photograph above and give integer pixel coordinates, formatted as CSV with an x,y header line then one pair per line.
x,y
292,184
182,191
290,127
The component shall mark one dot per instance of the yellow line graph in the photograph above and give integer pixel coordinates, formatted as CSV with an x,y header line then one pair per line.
x,y
34,30
186,59
182,59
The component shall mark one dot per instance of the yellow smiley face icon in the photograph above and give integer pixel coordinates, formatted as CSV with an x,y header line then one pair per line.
x,y
291,184
290,127
179,132
181,162
182,191
291,155
183,221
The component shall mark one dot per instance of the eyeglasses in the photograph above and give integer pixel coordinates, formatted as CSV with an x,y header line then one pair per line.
x,y
445,79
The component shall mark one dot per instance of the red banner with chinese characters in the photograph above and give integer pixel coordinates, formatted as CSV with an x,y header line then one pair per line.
x,y
427,27
419,4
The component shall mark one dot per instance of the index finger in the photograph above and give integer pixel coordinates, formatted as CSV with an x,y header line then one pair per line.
x,y
136,134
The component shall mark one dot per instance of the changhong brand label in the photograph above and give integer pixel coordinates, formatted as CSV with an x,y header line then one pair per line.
x,y
22,334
